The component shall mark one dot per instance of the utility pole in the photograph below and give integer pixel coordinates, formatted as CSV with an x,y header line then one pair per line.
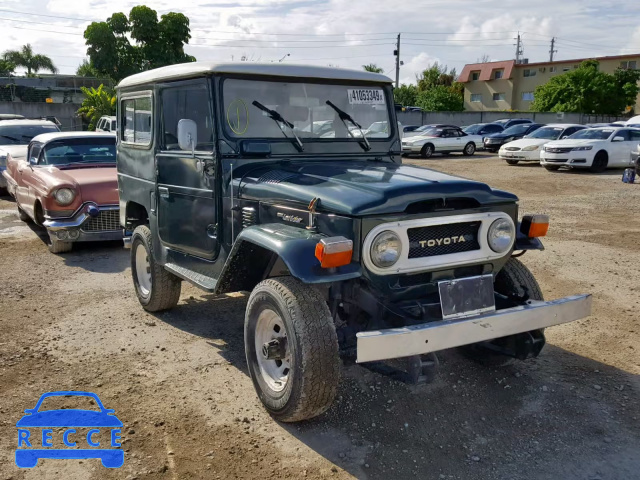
x,y
552,50
396,52
519,51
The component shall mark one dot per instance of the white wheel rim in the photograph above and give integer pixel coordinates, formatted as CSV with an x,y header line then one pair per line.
x,y
143,270
275,373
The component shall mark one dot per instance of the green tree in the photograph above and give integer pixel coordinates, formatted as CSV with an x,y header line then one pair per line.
x,y
372,67
406,95
97,102
86,69
440,99
436,75
155,43
6,68
27,59
588,90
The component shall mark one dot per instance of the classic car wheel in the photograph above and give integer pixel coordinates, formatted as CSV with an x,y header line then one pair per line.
x,y
427,151
292,349
156,288
469,149
512,162
600,162
514,279
552,168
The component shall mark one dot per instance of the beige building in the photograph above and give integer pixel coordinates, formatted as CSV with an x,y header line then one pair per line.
x,y
508,85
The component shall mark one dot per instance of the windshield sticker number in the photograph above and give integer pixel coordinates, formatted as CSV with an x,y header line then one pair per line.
x,y
238,117
365,96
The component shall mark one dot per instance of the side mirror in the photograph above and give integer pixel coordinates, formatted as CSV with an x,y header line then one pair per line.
x,y
618,139
187,134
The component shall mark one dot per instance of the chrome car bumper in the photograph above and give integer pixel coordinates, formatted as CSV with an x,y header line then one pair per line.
x,y
435,336
76,228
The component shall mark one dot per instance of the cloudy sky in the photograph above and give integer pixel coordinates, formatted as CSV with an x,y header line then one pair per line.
x,y
346,33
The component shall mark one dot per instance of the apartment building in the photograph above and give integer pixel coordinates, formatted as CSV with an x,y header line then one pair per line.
x,y
508,85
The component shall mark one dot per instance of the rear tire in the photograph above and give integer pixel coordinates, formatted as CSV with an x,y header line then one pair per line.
x,y
303,381
156,288
512,162
600,162
427,151
513,279
552,168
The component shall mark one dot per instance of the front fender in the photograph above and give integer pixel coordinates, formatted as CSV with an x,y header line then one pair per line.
x,y
525,243
258,246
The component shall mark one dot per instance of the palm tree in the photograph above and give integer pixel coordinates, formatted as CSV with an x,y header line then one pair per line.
x,y
372,67
25,58
97,103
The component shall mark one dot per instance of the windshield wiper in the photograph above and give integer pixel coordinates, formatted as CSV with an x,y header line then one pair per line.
x,y
345,117
275,116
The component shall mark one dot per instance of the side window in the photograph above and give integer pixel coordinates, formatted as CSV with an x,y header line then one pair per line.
x,y
99,125
136,120
624,134
569,131
634,135
35,151
493,129
187,102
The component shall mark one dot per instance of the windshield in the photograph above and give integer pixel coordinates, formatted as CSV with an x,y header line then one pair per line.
x,y
593,134
517,129
80,150
473,129
22,134
304,105
547,133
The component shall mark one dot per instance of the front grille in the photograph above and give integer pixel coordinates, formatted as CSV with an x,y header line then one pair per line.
x,y
558,149
443,239
512,149
556,160
106,221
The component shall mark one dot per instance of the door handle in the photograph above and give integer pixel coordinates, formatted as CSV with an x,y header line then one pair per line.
x,y
163,192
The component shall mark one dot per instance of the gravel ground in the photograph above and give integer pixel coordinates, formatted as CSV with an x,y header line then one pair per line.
x,y
179,382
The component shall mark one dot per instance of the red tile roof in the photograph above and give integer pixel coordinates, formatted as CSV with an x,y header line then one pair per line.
x,y
486,70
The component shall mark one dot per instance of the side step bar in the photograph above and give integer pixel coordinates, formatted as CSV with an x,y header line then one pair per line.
x,y
436,336
204,282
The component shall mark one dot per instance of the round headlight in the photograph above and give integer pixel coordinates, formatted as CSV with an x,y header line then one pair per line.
x,y
64,196
386,249
501,235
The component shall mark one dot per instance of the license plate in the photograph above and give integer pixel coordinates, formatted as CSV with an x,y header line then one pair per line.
x,y
466,297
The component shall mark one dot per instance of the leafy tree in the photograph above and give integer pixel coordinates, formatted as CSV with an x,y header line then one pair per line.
x,y
440,99
98,102
6,68
86,69
372,67
588,90
155,43
26,58
406,95
436,75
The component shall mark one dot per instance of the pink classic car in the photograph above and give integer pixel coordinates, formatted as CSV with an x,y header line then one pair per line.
x,y
67,183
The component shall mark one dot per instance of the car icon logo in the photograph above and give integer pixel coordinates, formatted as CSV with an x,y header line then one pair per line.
x,y
68,422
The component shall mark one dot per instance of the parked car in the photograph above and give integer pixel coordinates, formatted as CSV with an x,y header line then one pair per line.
x,y
441,140
494,141
510,122
68,185
528,148
106,124
633,121
11,116
483,128
410,128
15,136
595,149
635,160
422,129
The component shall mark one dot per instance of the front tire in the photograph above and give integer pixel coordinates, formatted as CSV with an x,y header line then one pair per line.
x,y
156,288
600,163
552,168
512,162
300,380
469,149
427,151
514,279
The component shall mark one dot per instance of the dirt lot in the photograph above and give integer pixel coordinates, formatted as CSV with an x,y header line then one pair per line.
x,y
179,383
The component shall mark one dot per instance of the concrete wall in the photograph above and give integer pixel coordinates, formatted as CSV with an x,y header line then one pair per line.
x,y
64,112
469,118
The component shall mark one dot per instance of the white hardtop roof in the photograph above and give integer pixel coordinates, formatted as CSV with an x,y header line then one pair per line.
x,y
563,125
49,137
198,69
4,123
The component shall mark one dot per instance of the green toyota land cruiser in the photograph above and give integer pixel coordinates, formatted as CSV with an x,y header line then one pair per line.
x,y
287,182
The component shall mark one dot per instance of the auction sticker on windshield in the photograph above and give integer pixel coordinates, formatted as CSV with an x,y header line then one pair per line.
x,y
365,96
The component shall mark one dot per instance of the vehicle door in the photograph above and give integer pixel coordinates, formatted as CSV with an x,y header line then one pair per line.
x,y
461,139
620,149
185,178
450,140
26,173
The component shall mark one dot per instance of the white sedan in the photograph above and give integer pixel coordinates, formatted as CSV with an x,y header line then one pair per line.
x,y
441,140
528,149
592,148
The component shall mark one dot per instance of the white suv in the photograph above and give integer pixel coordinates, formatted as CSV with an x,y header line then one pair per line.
x,y
106,124
594,148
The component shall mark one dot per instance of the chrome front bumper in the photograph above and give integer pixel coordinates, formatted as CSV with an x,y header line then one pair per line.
x,y
74,224
435,336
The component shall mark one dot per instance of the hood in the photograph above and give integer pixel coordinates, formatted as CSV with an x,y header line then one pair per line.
x,y
95,184
527,142
359,187
16,151
568,142
502,135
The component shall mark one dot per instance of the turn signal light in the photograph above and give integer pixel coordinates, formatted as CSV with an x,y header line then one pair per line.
x,y
334,252
534,226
